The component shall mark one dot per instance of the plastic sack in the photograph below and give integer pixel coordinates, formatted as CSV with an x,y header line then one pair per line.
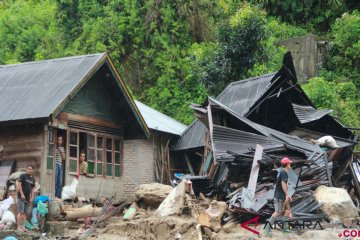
x,y
69,191
34,220
42,209
8,218
10,238
5,205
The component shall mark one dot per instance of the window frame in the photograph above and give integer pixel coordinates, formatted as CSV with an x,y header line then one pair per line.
x,y
120,156
52,150
87,153
104,163
69,157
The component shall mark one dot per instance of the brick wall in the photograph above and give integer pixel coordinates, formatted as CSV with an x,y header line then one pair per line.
x,y
138,165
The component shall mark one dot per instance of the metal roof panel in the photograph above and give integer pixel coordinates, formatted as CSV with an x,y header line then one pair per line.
x,y
159,121
35,89
307,114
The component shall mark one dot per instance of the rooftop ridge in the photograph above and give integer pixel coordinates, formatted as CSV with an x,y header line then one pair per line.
x,y
52,60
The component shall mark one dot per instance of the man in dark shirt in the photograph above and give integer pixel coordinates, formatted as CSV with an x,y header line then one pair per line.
x,y
25,196
281,197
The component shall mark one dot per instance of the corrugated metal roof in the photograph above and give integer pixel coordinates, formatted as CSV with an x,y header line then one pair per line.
x,y
193,137
229,139
307,114
158,121
239,96
290,140
35,89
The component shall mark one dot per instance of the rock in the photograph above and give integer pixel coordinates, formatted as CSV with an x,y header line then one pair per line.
x,y
152,194
337,204
173,203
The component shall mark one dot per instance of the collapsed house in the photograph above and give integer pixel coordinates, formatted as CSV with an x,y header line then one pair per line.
x,y
84,100
239,138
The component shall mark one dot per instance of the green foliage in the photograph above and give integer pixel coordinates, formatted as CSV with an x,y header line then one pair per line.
x,y
23,25
342,97
312,14
172,53
238,48
343,59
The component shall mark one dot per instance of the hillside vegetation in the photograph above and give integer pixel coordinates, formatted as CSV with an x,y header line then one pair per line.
x,y
174,52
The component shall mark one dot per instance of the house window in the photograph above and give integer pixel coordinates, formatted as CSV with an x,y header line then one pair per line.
x,y
103,153
74,152
117,158
91,153
109,157
99,156
50,153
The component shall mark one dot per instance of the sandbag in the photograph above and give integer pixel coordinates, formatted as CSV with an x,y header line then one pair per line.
x,y
69,191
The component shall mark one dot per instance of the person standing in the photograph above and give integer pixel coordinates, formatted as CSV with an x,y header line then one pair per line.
x,y
60,158
281,197
25,197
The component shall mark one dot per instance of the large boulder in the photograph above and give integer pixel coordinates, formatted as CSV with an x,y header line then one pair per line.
x,y
174,202
152,194
337,204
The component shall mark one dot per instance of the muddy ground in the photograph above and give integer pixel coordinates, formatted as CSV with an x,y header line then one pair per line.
x,y
149,227
146,226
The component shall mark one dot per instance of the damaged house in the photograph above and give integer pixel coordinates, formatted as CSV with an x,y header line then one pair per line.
x,y
84,100
239,138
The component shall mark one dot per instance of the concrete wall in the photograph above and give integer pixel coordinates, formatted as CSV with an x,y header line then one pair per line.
x,y
307,54
137,168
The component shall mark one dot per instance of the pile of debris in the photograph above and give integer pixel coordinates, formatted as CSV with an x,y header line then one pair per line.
x,y
249,128
245,171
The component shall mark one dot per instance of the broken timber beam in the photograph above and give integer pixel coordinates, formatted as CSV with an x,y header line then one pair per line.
x,y
189,164
255,169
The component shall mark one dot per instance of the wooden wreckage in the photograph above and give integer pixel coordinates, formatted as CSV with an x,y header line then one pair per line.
x,y
249,128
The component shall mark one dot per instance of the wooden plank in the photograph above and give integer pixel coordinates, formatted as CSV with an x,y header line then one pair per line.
x,y
207,163
327,169
211,129
189,164
255,169
342,169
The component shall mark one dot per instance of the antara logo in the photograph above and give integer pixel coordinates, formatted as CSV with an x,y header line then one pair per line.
x,y
280,225
253,220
